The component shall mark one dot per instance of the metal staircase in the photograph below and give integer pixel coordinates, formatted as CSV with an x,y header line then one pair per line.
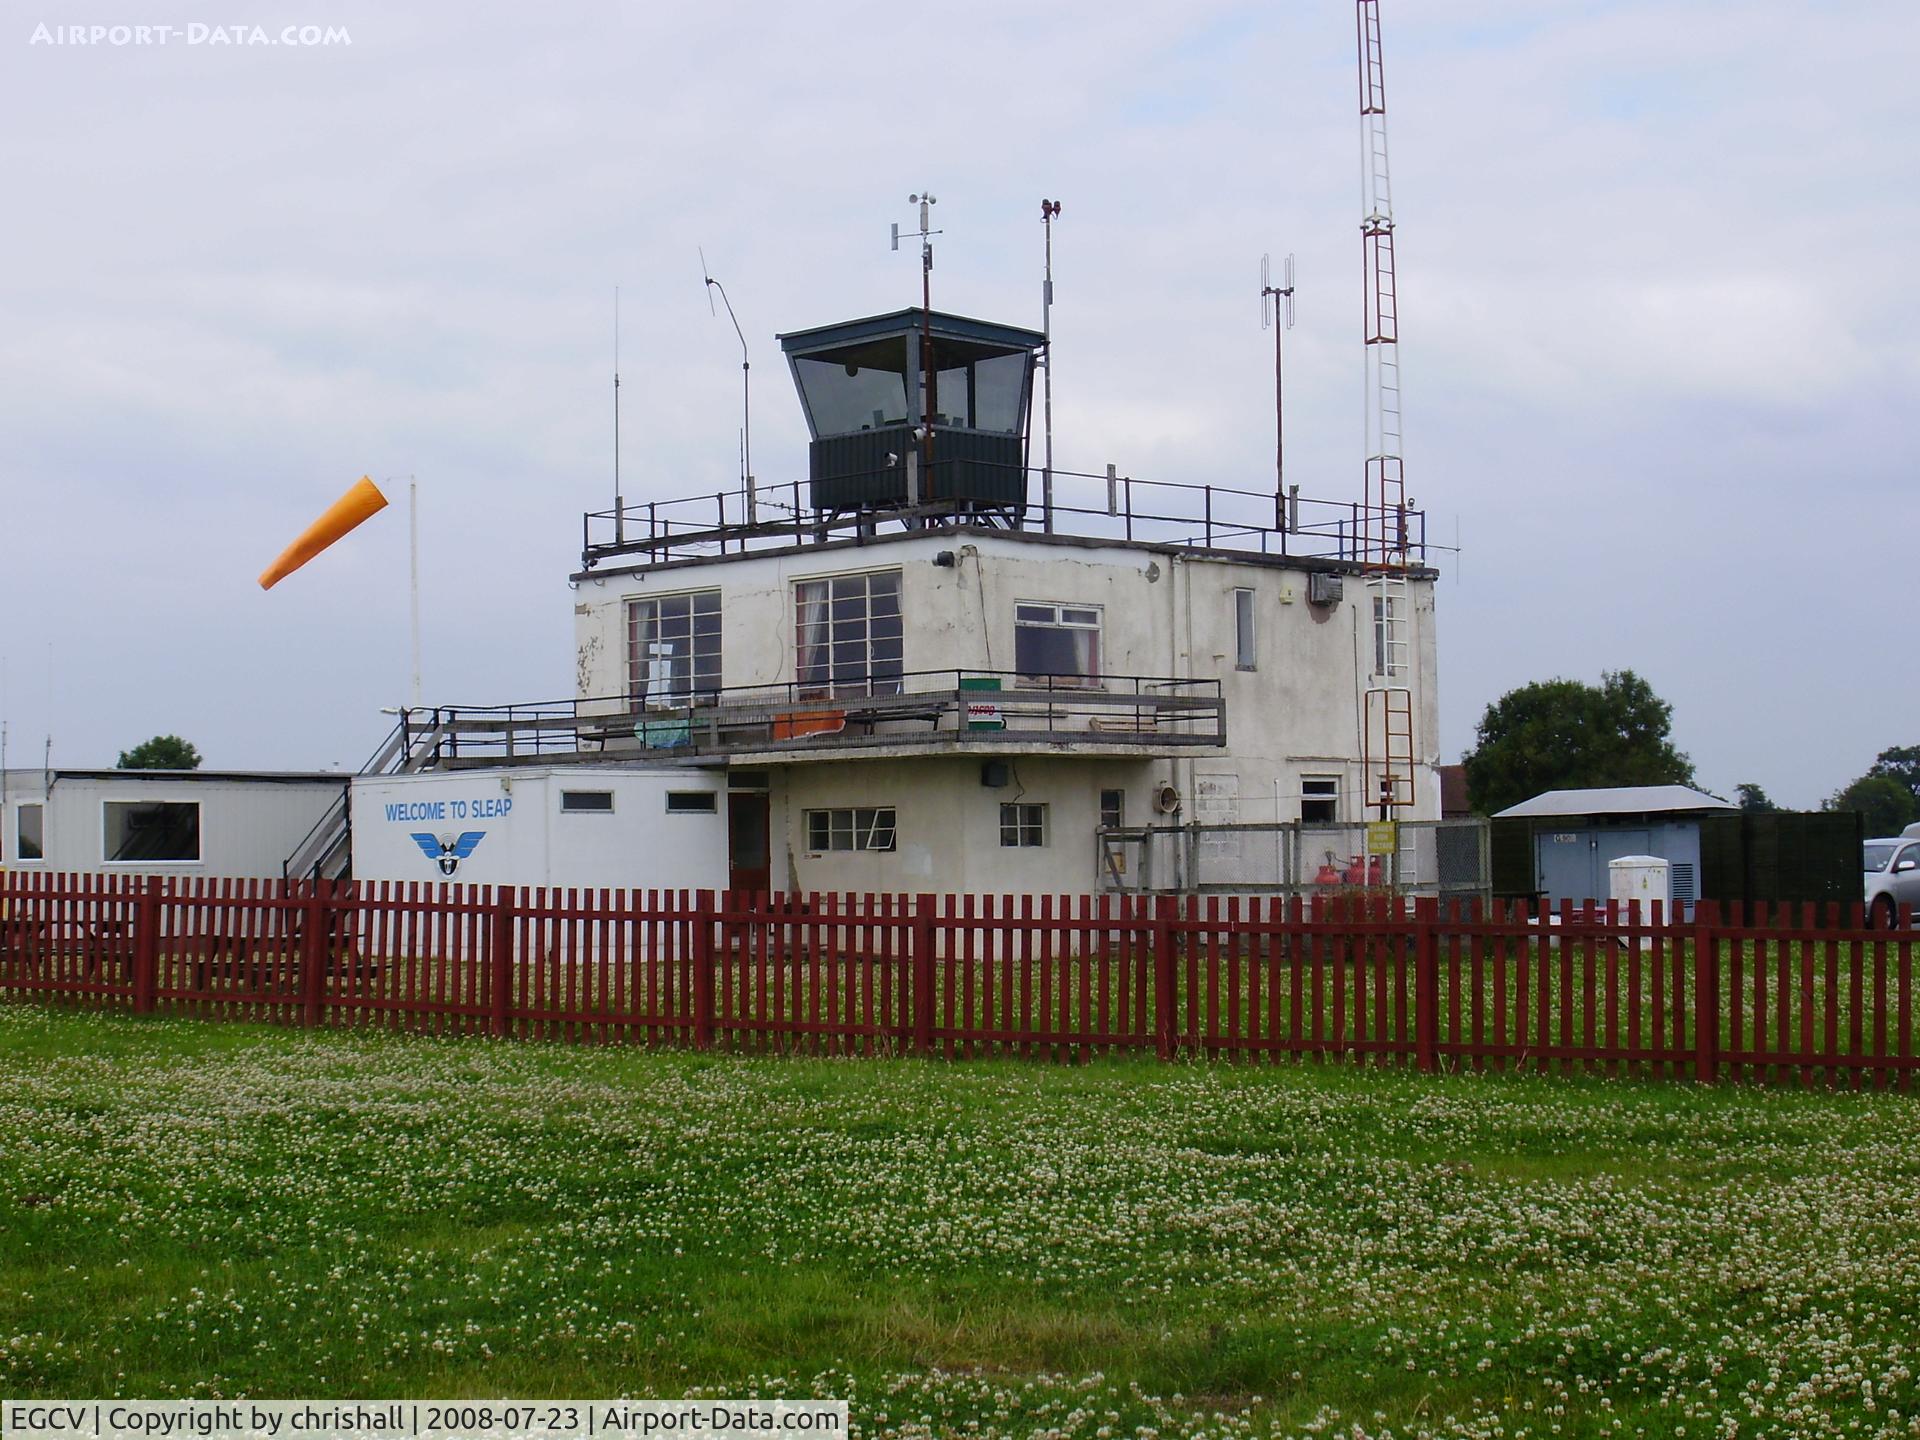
x,y
327,851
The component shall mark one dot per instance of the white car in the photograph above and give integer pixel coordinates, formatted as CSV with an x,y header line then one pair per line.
x,y
1893,877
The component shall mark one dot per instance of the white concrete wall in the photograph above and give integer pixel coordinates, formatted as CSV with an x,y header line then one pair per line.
x,y
248,827
1165,613
527,839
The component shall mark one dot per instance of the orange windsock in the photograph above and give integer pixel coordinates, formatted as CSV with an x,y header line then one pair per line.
x,y
363,500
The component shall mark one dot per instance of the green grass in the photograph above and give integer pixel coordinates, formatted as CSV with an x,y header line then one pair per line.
x,y
1002,1248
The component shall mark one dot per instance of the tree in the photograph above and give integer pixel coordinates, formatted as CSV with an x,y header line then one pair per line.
x,y
162,752
1888,794
1752,797
1566,734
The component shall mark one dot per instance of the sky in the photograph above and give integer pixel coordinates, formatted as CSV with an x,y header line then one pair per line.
x,y
1658,317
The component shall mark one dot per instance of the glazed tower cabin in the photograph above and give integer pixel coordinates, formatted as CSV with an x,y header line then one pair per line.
x,y
911,672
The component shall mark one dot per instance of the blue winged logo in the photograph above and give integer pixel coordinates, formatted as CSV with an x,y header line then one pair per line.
x,y
446,851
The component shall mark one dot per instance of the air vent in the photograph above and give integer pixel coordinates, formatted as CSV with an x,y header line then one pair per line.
x,y
1324,589
1683,882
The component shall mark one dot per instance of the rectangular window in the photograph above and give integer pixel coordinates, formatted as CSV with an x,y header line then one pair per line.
x,y
586,802
1389,637
1113,809
29,833
1320,799
673,649
1057,643
693,802
1023,826
829,830
1243,651
847,635
147,831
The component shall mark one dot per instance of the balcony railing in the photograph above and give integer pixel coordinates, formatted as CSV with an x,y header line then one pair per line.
x,y
1110,507
929,711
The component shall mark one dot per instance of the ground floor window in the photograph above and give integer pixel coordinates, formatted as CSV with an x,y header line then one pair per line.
x,y
1023,826
861,829
1113,809
29,833
1320,799
136,831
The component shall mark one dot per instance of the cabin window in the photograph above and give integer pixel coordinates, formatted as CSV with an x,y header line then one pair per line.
x,y
673,648
586,802
1057,643
847,635
1243,648
1023,826
1320,799
29,832
150,831
829,830
692,802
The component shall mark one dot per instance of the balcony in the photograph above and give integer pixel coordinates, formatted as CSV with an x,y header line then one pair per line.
x,y
928,712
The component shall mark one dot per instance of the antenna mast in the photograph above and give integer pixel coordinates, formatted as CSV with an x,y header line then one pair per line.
x,y
746,391
929,372
1276,304
619,506
1388,726
1049,209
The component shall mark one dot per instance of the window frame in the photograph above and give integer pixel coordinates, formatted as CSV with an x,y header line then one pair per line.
x,y
1246,629
1331,796
606,809
819,661
709,802
1118,809
199,856
1094,679
1029,819
702,679
861,834
19,810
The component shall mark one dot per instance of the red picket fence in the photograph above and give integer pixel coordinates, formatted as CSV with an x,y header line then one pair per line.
x,y
1766,993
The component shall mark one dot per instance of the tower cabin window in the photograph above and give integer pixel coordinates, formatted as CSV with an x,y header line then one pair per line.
x,y
1059,644
847,636
673,649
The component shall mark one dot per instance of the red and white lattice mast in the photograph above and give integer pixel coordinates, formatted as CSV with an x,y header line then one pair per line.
x,y
1387,720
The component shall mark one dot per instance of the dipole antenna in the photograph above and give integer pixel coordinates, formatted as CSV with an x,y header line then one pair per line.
x,y
1049,211
1276,304
619,505
746,389
929,372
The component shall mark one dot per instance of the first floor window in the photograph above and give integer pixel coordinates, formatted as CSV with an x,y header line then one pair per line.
x,y
829,830
673,648
1113,809
29,833
1023,826
1057,643
847,637
1320,799
157,830
1243,650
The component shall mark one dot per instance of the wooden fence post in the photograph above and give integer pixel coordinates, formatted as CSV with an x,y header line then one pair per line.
x,y
1426,985
1165,909
703,913
1706,995
500,964
146,946
923,943
313,952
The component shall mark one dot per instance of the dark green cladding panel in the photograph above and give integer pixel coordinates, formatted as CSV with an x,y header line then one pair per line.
x,y
1781,856
1513,863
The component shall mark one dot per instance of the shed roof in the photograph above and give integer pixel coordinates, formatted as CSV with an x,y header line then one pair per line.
x,y
1618,800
